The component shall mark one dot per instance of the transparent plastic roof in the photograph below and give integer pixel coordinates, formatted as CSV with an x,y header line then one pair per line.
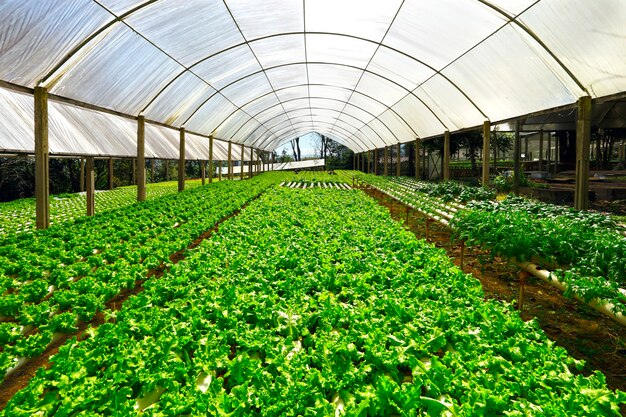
x,y
368,73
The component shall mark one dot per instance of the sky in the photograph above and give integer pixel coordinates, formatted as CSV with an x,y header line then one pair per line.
x,y
307,146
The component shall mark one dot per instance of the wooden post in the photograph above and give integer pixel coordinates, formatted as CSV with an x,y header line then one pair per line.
x,y
549,151
110,173
81,186
557,157
242,158
486,141
230,160
375,167
541,150
495,153
398,160
141,158
203,171
91,187
516,158
221,165
583,141
386,162
181,161
210,159
526,148
42,173
446,156
250,163
418,145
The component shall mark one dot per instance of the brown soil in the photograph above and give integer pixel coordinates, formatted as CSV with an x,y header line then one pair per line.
x,y
583,332
21,377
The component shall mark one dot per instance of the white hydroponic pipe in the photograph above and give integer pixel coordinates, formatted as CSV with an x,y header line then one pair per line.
x,y
606,308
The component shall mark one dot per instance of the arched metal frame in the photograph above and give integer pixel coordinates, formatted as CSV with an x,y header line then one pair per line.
x,y
68,61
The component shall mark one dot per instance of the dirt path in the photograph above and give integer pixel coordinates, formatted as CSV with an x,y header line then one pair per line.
x,y
585,333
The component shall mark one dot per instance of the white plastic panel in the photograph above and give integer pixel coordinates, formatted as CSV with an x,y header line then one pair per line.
x,y
420,118
339,49
358,113
318,102
590,39
448,102
227,67
385,91
263,104
197,148
220,150
120,73
78,131
337,93
162,142
368,19
179,100
397,126
187,30
35,35
287,76
334,75
211,114
293,93
16,122
428,30
120,6
512,7
384,133
485,75
247,89
262,18
368,104
399,68
272,51
233,126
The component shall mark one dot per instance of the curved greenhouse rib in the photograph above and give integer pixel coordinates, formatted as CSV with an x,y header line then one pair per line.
x,y
325,109
330,99
252,41
409,92
78,48
533,35
322,98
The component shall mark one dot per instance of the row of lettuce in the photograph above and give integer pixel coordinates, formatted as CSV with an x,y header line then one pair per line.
x,y
52,280
585,249
18,216
337,311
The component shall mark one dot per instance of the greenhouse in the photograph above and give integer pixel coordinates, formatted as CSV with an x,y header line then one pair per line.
x,y
454,246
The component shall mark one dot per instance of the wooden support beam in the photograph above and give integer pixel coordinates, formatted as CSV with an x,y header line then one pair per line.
x,y
110,173
42,173
229,168
418,145
141,158
211,159
486,142
398,159
250,163
81,186
583,142
541,150
181,161
446,156
516,158
375,167
386,161
203,171
549,151
91,186
241,172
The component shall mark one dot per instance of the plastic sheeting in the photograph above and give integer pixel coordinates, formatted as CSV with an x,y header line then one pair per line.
x,y
238,69
81,132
